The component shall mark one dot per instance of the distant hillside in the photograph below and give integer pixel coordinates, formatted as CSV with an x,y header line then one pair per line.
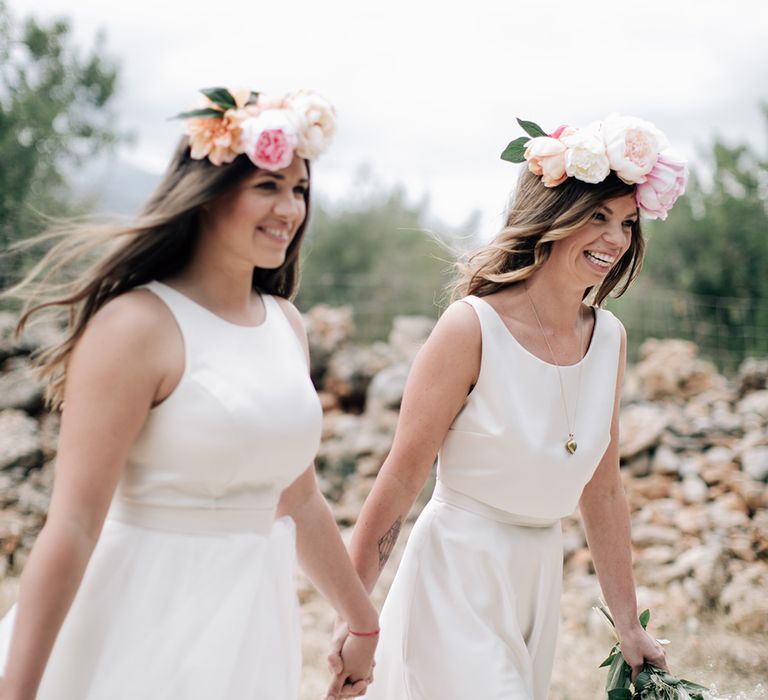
x,y
114,185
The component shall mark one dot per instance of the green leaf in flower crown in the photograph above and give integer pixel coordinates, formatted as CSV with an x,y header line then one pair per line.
x,y
620,694
532,128
220,96
645,618
515,151
204,112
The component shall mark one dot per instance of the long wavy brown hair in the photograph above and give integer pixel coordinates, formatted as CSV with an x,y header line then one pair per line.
x,y
91,263
537,217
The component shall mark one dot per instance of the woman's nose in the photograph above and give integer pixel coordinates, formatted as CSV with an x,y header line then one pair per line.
x,y
288,205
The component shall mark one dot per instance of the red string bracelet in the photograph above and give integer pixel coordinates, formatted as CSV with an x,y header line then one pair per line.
x,y
375,633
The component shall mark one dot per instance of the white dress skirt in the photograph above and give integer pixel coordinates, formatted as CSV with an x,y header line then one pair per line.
x,y
474,608
190,593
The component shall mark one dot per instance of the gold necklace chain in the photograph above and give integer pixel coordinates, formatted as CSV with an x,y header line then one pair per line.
x,y
570,443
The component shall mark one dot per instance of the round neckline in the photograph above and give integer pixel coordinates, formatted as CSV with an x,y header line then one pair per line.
x,y
536,357
208,312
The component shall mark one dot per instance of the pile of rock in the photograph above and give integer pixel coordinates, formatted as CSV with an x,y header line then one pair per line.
x,y
27,445
694,452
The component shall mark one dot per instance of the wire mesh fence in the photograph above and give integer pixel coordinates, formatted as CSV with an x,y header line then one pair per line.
x,y
726,329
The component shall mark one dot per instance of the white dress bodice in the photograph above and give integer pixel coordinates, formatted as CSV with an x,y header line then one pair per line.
x,y
239,427
506,447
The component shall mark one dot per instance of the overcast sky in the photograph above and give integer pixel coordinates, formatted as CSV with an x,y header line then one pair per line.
x,y
427,92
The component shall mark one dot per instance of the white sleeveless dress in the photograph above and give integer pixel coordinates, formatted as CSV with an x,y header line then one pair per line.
x,y
189,594
473,611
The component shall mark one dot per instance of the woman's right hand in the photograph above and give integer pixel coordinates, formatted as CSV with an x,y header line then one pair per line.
x,y
351,662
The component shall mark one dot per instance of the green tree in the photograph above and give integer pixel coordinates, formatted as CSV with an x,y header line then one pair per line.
x,y
377,255
53,115
713,252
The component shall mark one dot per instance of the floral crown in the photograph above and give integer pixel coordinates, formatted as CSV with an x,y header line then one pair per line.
x,y
634,149
268,129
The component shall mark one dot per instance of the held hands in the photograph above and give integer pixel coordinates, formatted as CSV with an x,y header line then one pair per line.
x,y
351,663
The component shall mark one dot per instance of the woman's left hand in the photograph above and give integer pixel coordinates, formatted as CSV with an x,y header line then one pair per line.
x,y
639,648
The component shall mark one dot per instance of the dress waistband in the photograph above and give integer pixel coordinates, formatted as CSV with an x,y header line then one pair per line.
x,y
445,494
191,519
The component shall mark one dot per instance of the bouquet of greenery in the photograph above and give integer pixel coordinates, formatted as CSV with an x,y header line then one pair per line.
x,y
652,683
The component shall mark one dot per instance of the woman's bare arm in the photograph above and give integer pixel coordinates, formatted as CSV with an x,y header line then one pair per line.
x,y
114,374
443,373
605,513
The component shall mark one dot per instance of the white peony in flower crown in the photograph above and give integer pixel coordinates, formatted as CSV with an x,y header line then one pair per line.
x,y
269,130
633,148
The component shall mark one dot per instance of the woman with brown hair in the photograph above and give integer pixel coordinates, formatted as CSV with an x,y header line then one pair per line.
x,y
517,392
182,488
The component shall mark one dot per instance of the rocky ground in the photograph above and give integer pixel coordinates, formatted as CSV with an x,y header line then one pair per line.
x,y
694,460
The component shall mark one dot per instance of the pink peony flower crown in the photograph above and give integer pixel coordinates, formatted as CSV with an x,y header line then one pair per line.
x,y
269,130
634,149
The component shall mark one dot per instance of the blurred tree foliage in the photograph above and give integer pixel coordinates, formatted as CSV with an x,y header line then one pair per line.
x,y
376,253
53,115
710,258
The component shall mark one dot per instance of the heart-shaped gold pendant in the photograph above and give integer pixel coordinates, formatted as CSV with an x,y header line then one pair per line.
x,y
571,445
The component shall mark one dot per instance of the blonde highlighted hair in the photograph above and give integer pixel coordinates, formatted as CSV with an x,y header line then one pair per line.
x,y
93,263
537,217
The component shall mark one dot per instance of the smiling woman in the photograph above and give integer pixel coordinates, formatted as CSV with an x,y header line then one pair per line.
x,y
253,225
184,479
517,392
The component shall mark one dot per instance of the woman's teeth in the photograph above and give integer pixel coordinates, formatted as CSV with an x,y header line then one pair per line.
x,y
276,233
600,259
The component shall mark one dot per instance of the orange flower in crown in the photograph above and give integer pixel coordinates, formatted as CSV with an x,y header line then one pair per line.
x,y
268,129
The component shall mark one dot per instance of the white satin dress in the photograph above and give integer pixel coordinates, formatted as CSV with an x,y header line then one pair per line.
x,y
473,611
189,594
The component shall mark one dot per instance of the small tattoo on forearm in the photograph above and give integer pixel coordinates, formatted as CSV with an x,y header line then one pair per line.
x,y
387,542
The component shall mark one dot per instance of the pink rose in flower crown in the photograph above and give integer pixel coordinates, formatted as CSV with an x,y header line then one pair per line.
x,y
632,146
663,185
546,158
270,139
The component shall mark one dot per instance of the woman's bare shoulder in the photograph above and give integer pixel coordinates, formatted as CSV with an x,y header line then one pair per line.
x,y
136,316
134,332
460,319
456,342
